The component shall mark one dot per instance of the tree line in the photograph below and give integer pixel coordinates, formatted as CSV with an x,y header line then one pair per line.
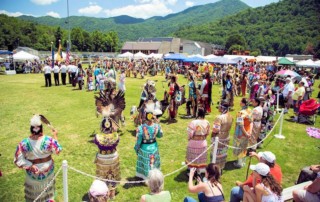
x,y
17,32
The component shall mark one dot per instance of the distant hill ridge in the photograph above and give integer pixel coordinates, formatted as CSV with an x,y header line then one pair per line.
x,y
130,28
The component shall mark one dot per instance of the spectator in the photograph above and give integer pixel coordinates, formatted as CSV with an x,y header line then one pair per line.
x,y
155,183
210,190
266,157
308,173
298,97
266,187
98,191
309,193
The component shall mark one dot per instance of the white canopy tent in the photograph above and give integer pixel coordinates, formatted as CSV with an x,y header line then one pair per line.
x,y
140,55
208,57
155,55
261,58
307,63
125,55
22,55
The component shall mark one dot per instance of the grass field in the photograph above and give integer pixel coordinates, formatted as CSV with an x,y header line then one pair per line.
x,y
72,112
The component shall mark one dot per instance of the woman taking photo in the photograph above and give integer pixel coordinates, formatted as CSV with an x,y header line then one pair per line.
x,y
209,191
268,190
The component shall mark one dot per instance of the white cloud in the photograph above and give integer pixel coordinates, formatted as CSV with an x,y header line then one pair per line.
x,y
171,2
147,10
143,1
90,10
44,2
53,14
189,3
15,14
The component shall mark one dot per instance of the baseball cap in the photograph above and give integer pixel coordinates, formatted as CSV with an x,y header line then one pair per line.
x,y
98,188
268,156
261,168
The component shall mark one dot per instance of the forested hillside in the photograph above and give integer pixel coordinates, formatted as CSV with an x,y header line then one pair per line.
x,y
129,28
290,26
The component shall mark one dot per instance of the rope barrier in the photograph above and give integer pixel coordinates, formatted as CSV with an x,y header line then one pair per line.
x,y
232,147
49,184
141,181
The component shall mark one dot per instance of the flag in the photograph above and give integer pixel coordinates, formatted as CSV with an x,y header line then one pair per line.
x,y
52,55
59,55
68,55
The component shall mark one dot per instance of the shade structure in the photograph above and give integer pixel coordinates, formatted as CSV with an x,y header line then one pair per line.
x,y
22,55
261,58
208,57
140,55
215,60
308,63
290,73
285,61
4,52
194,59
155,55
125,55
175,56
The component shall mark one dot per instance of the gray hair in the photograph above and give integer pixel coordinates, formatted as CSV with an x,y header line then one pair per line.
x,y
155,181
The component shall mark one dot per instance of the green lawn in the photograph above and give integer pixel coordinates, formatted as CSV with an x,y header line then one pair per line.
x,y
72,112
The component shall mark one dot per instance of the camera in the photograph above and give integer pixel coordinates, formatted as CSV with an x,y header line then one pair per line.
x,y
250,150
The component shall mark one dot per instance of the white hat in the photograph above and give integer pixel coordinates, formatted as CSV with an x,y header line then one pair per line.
x,y
261,168
35,120
288,79
268,156
98,188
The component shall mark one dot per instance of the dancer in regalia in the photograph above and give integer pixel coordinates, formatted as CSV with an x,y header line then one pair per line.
x,y
34,155
146,145
192,100
198,130
242,133
221,128
107,159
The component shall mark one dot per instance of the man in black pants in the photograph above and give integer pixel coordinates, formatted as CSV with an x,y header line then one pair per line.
x,y
47,74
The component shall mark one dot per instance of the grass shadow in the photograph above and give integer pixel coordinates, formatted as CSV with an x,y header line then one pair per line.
x,y
85,197
229,165
132,132
182,177
131,185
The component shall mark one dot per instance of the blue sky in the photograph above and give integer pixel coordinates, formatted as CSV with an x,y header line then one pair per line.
x,y
106,8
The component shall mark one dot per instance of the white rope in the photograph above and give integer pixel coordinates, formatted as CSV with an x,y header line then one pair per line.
x,y
49,184
232,147
141,181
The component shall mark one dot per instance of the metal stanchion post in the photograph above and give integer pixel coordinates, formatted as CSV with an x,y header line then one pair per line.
x,y
65,180
280,136
215,149
278,101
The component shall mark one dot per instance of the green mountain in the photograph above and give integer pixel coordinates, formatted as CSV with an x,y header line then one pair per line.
x,y
129,28
289,26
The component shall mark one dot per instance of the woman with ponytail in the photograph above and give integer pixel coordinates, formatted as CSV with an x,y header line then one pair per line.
x,y
208,191
268,190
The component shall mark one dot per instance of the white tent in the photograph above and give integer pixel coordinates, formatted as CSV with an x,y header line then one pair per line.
x,y
261,58
125,55
208,57
22,55
155,55
307,63
231,57
140,55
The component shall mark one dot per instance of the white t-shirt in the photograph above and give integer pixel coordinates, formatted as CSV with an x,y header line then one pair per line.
x,y
47,69
287,88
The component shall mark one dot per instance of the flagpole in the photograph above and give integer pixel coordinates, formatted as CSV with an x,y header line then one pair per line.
x,y
68,26
52,55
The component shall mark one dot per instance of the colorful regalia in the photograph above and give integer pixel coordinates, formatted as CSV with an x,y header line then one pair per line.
x,y
221,128
240,140
37,152
197,130
257,113
107,159
146,145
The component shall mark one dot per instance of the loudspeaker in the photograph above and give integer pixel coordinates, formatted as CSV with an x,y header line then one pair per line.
x,y
10,47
